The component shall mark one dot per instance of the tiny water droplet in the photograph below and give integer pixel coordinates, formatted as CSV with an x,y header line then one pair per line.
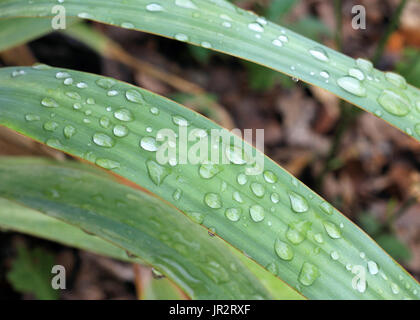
x,y
332,230
326,208
69,131
149,144
275,198
237,197
177,194
208,171
335,255
241,179
255,27
134,96
270,176
180,121
372,267
123,115
105,83
308,274
120,131
107,163
32,117
186,4
50,125
181,37
73,95
104,122
49,102
319,53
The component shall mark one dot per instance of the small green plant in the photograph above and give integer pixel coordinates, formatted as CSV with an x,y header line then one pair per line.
x,y
270,217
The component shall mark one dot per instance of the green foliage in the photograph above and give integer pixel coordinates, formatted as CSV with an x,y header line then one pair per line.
x,y
31,273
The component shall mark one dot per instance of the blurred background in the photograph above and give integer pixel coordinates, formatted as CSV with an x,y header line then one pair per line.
x,y
365,167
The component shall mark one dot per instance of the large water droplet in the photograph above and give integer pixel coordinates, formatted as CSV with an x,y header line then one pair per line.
x,y
395,102
308,274
69,131
396,80
357,73
49,102
297,231
105,83
157,173
134,96
103,140
319,53
213,200
257,213
298,203
149,144
123,115
332,230
352,85
208,171
233,214
283,250
257,189
120,131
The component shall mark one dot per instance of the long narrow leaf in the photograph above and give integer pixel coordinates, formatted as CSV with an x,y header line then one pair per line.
x,y
277,221
221,26
140,224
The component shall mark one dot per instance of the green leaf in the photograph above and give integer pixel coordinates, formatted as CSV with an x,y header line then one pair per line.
x,y
17,31
271,207
140,224
31,273
221,26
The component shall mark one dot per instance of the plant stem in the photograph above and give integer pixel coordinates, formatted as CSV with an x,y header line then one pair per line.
x,y
390,29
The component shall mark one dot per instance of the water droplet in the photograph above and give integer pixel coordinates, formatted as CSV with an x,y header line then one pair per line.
x,y
283,38
237,197
103,140
105,83
18,73
297,231
49,102
54,143
270,176
365,65
275,198
319,53
85,15
62,75
335,255
233,214
82,85
68,81
120,130
271,267
356,73
256,27
157,173
242,179
77,106
149,144
283,250
324,74
257,189
226,24
206,44
298,203
104,122
196,216
107,164
154,7
180,121
318,238
90,101
332,230
308,274
352,85
395,102
155,111
277,43
396,80
181,37
235,155
50,125
177,194
134,96
112,93
69,131
73,95
186,4
372,267
127,25
213,200
257,213
208,171
123,115
394,288
32,117
326,208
